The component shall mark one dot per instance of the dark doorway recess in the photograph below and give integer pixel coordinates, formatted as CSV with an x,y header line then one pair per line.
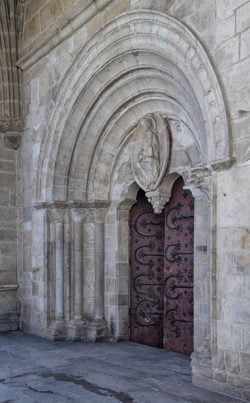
x,y
161,304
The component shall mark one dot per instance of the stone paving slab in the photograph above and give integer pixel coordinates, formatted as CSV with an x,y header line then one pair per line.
x,y
37,370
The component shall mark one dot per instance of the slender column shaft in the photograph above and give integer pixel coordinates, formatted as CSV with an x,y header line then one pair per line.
x,y
99,270
59,280
78,235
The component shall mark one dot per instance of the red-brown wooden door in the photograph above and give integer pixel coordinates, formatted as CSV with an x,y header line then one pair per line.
x,y
178,270
147,276
161,304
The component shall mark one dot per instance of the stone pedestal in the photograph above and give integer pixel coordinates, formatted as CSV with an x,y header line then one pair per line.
x,y
57,330
76,330
97,330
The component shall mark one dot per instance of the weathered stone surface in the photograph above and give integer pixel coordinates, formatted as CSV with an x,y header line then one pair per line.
x,y
244,44
64,373
246,338
243,17
32,28
237,336
244,364
49,12
184,9
9,309
237,89
228,53
203,20
228,7
91,74
225,29
236,310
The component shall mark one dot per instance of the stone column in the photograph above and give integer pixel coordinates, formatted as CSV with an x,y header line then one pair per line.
x,y
99,270
201,185
59,283
57,328
98,329
77,326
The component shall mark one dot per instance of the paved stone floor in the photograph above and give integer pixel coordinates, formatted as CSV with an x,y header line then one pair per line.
x,y
37,370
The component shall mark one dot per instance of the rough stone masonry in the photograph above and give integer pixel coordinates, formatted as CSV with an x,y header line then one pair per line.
x,y
76,79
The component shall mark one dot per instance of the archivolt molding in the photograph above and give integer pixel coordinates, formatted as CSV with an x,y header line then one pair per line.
x,y
141,62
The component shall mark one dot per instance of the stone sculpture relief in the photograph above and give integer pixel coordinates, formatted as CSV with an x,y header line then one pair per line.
x,y
151,153
148,157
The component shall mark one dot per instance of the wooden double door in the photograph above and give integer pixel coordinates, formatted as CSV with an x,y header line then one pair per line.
x,y
161,294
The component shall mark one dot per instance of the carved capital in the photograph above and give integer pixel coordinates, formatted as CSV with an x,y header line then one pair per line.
x,y
77,211
12,140
56,215
77,215
199,182
98,209
223,164
99,214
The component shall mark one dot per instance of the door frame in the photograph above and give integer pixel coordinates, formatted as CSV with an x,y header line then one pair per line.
x,y
117,267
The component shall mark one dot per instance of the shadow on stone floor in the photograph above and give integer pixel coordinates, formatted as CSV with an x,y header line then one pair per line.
x,y
37,370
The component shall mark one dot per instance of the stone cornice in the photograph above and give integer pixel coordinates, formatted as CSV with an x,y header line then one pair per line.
x,y
94,204
73,204
53,40
8,287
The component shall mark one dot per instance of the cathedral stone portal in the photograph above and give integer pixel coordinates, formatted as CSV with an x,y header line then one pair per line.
x,y
124,158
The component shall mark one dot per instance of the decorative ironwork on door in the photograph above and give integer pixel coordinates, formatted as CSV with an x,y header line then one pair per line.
x,y
147,280
178,271
161,310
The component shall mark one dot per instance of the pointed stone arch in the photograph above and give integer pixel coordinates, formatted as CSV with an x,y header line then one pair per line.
x,y
141,62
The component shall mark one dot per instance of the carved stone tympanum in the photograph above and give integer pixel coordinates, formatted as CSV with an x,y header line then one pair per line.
x,y
150,151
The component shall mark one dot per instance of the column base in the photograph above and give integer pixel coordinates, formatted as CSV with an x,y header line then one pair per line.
x,y
97,330
57,330
76,330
